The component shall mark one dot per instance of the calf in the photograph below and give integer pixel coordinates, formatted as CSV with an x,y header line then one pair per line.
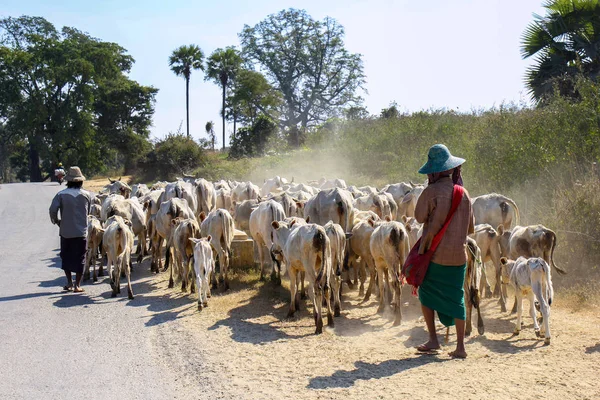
x,y
531,277
204,267
183,230
94,240
118,242
472,284
337,239
306,248
218,224
260,230
389,248
487,240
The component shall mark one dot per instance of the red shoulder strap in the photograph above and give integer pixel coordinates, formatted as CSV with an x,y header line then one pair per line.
x,y
457,195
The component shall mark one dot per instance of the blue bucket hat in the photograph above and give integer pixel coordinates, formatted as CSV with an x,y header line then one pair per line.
x,y
439,159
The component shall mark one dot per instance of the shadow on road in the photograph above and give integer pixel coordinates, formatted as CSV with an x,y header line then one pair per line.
x,y
69,299
25,296
242,320
367,371
593,349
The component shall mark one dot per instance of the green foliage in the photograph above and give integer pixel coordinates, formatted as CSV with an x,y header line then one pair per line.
x,y
307,61
252,95
565,43
391,111
67,97
172,156
222,67
251,142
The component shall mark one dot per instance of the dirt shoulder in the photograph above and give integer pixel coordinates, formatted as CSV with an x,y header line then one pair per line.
x,y
255,352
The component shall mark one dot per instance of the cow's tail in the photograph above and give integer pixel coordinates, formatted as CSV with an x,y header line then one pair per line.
x,y
517,213
547,283
226,229
396,238
474,256
341,211
319,243
559,270
201,195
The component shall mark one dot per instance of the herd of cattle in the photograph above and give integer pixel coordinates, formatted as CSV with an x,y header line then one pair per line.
x,y
324,233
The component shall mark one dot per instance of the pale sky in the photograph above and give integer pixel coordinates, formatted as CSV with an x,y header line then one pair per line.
x,y
459,54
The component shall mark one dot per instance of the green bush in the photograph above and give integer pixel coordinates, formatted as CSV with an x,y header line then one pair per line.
x,y
172,156
251,142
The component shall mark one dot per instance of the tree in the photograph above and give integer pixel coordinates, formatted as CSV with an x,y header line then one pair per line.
x,y
354,113
252,141
565,43
210,131
54,91
391,111
307,61
221,67
183,60
253,95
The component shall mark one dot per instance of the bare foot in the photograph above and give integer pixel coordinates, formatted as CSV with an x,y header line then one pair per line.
x,y
68,288
429,346
458,354
78,290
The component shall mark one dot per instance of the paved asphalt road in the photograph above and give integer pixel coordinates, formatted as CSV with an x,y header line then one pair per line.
x,y
57,345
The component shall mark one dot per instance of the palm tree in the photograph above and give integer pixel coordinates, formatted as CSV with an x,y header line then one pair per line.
x,y
565,43
210,131
221,67
183,60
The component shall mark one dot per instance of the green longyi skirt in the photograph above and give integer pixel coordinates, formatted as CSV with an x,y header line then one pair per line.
x,y
443,291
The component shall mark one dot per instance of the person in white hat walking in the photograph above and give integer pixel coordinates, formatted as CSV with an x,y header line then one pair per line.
x,y
74,205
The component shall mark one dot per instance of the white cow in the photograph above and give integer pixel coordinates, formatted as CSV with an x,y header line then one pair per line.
x,y
331,205
204,267
162,227
272,185
337,240
94,239
206,195
223,199
244,191
531,277
218,224
260,230
183,230
306,248
118,243
495,209
389,248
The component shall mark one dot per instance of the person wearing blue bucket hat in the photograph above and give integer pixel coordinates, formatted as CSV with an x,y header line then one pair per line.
x,y
442,288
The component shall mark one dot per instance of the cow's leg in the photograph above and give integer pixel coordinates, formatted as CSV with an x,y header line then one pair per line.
x,y
302,288
380,278
173,266
337,300
388,287
315,295
519,304
128,273
141,246
201,293
225,269
100,269
398,303
292,309
88,258
190,270
514,309
326,293
469,307
372,279
184,271
546,313
362,275
532,313
261,251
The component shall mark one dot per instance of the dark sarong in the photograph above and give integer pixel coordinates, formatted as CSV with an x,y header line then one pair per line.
x,y
72,254
443,291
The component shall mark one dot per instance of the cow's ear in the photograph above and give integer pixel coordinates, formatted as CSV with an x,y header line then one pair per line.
x,y
503,261
408,227
202,216
371,222
234,203
193,241
208,238
293,222
500,229
299,204
128,223
404,219
275,225
308,219
387,218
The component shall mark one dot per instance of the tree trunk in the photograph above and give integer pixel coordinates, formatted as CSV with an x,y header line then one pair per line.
x,y
234,121
35,173
187,105
224,117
